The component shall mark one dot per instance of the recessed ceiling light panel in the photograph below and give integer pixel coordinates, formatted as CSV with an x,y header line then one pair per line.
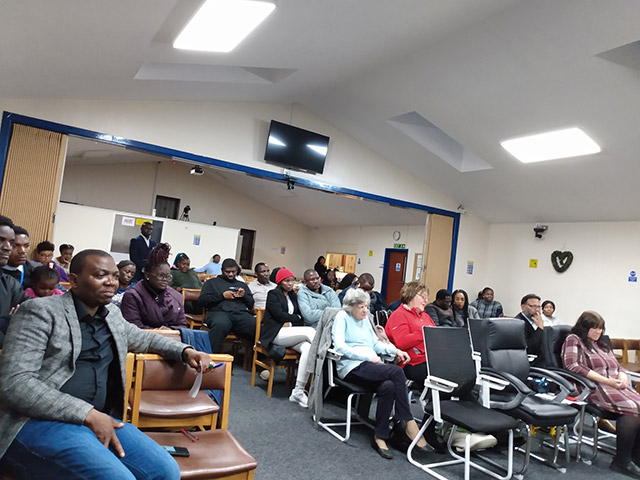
x,y
220,25
570,142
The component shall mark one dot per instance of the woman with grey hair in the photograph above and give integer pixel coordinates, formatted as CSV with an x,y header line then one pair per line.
x,y
354,338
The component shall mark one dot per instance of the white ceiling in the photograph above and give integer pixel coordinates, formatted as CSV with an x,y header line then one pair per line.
x,y
481,71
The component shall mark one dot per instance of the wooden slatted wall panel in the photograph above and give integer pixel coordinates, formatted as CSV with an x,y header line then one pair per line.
x,y
32,178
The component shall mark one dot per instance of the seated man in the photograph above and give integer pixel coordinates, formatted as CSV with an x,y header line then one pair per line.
x,y
63,374
228,302
261,286
366,282
19,266
440,310
211,268
11,293
533,327
313,298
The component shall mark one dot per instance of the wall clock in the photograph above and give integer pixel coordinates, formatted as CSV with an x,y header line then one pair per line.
x,y
396,235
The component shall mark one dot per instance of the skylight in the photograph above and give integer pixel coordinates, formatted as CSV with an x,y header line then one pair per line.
x,y
570,142
220,25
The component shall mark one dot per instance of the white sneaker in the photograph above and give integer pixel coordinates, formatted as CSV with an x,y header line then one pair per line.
x,y
264,375
299,397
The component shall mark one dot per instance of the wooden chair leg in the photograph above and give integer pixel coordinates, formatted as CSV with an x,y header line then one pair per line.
x,y
253,368
272,372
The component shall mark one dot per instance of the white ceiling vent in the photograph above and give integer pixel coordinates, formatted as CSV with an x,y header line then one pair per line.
x,y
425,133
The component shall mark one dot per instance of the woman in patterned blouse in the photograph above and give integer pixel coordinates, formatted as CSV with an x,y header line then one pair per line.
x,y
584,352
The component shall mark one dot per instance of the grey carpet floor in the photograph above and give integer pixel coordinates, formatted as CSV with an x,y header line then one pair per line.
x,y
288,445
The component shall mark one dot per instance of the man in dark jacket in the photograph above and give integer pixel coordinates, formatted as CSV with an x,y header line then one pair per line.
x,y
19,266
139,248
11,293
533,327
440,311
228,302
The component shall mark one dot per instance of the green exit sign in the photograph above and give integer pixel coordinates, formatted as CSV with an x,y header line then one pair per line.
x,y
399,245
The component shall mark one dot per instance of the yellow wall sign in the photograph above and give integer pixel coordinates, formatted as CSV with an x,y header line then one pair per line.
x,y
533,263
371,253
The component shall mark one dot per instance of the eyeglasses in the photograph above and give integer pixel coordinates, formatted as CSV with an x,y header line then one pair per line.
x,y
162,276
424,295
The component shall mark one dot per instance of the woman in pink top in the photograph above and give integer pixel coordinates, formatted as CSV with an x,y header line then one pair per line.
x,y
44,281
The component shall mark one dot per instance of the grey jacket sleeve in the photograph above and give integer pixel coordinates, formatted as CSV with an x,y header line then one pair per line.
x,y
30,383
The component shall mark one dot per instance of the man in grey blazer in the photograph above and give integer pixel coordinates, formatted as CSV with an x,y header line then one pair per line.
x,y
62,374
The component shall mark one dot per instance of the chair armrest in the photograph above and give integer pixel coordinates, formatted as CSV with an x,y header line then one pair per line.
x,y
514,381
587,385
439,384
565,386
633,376
333,354
494,383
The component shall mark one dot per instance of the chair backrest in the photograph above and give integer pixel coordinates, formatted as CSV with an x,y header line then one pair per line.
x,y
190,295
152,372
502,344
448,351
259,319
554,338
381,317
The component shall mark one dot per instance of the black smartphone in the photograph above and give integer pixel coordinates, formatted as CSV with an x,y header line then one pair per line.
x,y
234,289
176,451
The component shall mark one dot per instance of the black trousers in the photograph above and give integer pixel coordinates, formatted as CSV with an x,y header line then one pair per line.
x,y
391,387
221,324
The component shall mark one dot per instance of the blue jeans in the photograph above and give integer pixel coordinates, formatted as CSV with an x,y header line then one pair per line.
x,y
55,450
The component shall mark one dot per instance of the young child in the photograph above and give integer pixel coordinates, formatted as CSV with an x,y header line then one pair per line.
x,y
43,283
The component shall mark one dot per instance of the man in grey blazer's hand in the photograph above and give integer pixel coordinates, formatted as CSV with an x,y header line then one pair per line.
x,y
62,377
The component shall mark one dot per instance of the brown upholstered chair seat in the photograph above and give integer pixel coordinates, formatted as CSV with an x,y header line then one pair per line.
x,y
162,403
216,454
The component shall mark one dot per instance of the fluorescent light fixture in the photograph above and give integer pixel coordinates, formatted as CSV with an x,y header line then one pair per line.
x,y
220,25
570,142
318,149
276,141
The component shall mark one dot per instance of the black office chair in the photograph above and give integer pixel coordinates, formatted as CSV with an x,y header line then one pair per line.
x,y
451,378
502,346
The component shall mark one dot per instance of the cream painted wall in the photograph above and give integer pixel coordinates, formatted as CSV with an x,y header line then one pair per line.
x,y
604,254
360,240
210,201
236,132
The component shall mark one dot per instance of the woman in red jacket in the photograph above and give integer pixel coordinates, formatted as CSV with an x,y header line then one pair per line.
x,y
404,329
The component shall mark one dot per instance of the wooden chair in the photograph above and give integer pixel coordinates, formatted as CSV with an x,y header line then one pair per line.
x,y
194,321
205,276
620,344
160,394
262,358
216,454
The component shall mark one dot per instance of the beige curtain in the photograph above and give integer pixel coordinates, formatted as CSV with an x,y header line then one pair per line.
x,y
32,178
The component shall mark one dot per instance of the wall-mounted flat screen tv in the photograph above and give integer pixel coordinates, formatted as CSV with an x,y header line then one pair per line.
x,y
295,148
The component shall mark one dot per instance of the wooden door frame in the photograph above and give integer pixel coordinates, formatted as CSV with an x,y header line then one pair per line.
x,y
387,254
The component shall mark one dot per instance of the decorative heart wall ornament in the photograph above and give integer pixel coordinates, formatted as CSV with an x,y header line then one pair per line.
x,y
561,261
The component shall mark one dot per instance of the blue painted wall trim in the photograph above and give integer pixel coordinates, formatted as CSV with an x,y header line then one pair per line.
x,y
9,119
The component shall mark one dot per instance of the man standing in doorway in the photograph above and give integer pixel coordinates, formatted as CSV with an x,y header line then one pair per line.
x,y
139,248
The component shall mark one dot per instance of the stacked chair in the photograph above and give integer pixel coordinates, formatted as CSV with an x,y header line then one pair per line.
x,y
503,350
